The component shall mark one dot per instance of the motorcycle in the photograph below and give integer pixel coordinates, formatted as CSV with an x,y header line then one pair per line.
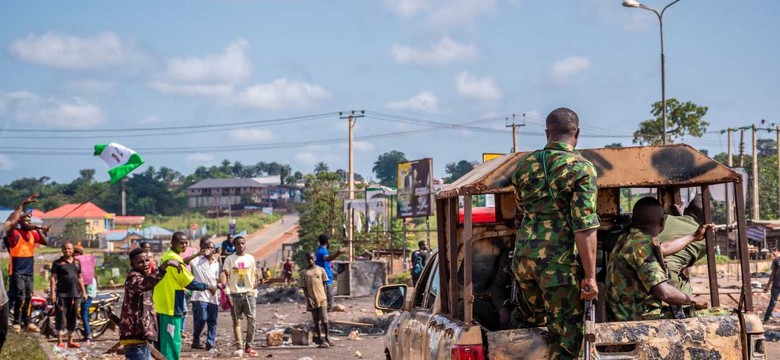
x,y
37,305
101,316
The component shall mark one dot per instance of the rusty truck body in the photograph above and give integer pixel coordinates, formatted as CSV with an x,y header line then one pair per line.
x,y
437,318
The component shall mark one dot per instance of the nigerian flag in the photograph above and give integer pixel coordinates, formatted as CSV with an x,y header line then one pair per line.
x,y
122,160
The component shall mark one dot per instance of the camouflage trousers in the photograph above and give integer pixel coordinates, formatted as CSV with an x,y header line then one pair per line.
x,y
552,293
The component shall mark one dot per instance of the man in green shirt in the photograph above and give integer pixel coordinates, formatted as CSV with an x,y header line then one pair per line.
x,y
636,281
676,227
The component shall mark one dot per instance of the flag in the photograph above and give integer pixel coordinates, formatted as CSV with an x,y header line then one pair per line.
x,y
120,159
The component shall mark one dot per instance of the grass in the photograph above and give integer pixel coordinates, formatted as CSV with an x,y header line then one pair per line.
x,y
22,346
250,223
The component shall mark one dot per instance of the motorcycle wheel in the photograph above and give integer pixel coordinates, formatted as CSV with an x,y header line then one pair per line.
x,y
100,317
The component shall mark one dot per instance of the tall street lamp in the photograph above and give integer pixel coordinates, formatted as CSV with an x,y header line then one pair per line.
x,y
637,4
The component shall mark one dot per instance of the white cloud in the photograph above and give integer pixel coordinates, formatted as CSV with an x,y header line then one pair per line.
x,y
407,8
564,69
460,13
307,158
70,113
444,52
478,88
425,101
106,50
6,163
282,93
252,135
212,90
91,87
231,66
200,158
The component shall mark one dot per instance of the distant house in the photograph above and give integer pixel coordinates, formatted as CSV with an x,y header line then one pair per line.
x,y
115,240
227,192
94,219
128,222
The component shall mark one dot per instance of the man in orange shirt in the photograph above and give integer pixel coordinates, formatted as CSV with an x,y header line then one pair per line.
x,y
21,243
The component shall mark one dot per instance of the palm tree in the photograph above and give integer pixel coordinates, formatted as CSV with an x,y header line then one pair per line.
x,y
321,167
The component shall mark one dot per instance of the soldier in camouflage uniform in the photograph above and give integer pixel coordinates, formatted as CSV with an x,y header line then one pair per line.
x,y
676,227
637,280
555,189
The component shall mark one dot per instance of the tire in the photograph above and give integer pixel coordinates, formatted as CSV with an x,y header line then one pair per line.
x,y
102,316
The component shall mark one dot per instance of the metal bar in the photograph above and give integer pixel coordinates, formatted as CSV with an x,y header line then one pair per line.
x,y
712,265
441,239
742,245
468,297
452,248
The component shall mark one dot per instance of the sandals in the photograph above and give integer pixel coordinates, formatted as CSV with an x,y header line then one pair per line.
x,y
74,345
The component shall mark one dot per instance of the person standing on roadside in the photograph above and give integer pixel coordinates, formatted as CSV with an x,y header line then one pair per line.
x,y
323,258
312,281
555,189
287,269
138,321
168,296
773,284
90,279
21,243
7,226
238,278
419,259
227,249
67,288
205,305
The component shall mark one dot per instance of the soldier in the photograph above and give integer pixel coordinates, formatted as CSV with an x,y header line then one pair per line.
x,y
555,189
637,282
675,227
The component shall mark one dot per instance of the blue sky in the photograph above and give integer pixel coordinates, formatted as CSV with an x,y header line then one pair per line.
x,y
98,65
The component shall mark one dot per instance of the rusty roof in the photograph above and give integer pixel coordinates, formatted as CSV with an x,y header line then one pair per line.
x,y
639,166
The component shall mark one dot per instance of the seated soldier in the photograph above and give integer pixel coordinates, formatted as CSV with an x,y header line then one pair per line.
x,y
676,227
637,283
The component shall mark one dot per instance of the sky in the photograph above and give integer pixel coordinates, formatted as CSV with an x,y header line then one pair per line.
x,y
190,83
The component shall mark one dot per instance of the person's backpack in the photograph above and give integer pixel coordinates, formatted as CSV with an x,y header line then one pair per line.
x,y
417,264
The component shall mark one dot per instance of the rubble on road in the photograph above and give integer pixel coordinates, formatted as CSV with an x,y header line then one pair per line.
x,y
275,295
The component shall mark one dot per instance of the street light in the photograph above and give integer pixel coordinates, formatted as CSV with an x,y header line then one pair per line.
x,y
637,4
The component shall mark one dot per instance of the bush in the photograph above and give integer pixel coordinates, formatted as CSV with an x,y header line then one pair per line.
x,y
402,278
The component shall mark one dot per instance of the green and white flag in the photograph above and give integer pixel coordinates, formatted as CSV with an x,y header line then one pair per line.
x,y
122,160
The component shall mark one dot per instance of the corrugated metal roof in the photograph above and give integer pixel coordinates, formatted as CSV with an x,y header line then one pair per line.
x,y
643,166
237,183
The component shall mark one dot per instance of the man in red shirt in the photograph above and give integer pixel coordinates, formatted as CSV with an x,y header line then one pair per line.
x,y
21,243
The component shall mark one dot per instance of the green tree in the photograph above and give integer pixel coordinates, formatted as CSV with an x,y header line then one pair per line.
x,y
683,119
767,186
321,167
458,169
386,167
321,212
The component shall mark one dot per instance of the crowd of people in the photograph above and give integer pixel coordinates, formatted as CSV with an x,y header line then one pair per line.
x,y
156,293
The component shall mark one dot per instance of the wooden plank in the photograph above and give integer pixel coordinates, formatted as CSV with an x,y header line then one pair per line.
x,y
452,248
468,298
350,323
712,268
742,246
441,239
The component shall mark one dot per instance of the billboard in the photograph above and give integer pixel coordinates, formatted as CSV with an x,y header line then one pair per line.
x,y
415,188
490,156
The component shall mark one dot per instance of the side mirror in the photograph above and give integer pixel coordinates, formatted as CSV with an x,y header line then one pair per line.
x,y
390,297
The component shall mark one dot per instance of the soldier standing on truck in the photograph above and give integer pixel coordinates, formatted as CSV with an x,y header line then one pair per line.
x,y
555,188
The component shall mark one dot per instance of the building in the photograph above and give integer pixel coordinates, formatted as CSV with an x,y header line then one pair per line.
x,y
128,222
116,240
93,219
228,192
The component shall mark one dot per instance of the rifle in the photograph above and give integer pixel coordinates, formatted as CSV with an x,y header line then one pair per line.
x,y
590,325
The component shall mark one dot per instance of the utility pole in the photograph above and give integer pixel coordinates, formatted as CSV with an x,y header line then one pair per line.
x,y
123,181
777,142
514,131
742,148
730,162
352,118
756,208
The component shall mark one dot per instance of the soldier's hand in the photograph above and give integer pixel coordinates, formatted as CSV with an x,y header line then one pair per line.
x,y
702,230
700,304
589,290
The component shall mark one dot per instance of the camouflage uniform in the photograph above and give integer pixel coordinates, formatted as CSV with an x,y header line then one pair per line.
x,y
634,268
677,227
545,263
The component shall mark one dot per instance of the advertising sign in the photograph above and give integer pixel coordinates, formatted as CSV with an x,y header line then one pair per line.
x,y
490,156
415,188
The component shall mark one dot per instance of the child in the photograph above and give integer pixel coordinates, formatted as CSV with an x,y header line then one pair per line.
x,y
312,281
67,288
238,279
138,324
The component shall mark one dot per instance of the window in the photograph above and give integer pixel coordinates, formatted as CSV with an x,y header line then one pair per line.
x,y
422,283
434,286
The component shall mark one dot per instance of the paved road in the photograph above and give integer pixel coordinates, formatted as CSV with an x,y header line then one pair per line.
x,y
257,240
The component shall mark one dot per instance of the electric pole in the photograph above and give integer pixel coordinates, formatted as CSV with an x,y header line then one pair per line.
x,y
742,148
123,181
730,163
514,131
756,208
777,142
352,118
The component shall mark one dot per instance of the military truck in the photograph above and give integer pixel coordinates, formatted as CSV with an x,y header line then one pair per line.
x,y
437,318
